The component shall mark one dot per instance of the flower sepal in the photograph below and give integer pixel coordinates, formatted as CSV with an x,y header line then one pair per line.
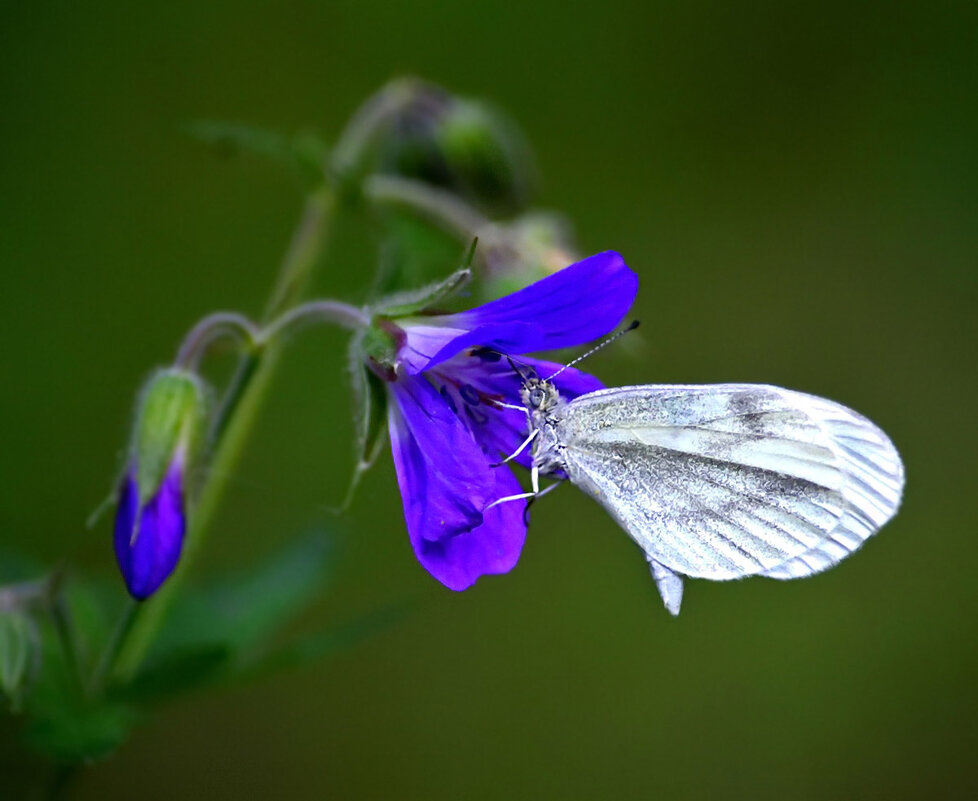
x,y
171,408
402,304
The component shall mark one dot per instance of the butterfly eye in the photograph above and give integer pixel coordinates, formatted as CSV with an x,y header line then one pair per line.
x,y
536,397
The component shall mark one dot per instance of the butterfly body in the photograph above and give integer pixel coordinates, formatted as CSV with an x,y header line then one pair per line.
x,y
722,481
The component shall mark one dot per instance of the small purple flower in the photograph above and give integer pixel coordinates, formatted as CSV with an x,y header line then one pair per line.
x,y
150,519
149,536
447,427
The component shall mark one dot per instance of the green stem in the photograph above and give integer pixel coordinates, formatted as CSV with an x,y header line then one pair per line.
x,y
316,311
436,205
101,675
219,325
68,639
303,253
234,423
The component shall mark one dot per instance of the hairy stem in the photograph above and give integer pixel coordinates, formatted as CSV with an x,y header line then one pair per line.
x,y
118,637
219,325
322,311
234,422
68,638
435,205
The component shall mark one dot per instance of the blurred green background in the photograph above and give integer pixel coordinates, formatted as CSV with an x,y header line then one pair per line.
x,y
796,184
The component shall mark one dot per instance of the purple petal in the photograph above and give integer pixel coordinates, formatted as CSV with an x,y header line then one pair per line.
x,y
501,431
490,548
148,541
580,303
443,473
424,338
446,483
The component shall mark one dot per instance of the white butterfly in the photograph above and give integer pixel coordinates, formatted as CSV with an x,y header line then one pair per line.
x,y
720,481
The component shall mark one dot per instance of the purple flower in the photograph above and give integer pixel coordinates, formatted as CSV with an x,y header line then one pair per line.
x,y
149,536
447,427
150,519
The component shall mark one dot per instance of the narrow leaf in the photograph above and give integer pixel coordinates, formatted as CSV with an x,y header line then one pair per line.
x,y
304,154
241,611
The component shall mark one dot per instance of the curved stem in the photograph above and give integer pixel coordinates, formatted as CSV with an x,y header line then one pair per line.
x,y
234,423
303,252
437,205
370,119
325,311
210,329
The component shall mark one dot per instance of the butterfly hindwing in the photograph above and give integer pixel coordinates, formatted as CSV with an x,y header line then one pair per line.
x,y
730,480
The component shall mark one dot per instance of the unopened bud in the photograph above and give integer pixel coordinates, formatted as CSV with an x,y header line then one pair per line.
x,y
461,145
150,519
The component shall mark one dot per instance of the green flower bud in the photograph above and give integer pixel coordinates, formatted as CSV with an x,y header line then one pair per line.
x,y
168,421
461,145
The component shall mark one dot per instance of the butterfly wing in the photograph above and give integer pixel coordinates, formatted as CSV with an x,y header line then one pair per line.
x,y
729,480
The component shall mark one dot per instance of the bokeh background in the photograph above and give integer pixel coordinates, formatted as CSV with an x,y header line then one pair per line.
x,y
796,184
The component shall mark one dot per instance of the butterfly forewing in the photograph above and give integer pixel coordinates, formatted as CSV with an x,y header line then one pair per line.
x,y
729,480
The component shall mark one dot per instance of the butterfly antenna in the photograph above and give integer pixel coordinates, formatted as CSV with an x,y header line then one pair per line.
x,y
516,369
631,327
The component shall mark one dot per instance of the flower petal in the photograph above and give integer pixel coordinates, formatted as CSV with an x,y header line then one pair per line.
x,y
501,431
580,303
490,548
148,541
446,483
424,338
441,471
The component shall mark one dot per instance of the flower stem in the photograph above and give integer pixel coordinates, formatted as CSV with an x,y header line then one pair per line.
x,y
328,311
233,423
61,616
303,253
118,637
437,205
370,120
213,327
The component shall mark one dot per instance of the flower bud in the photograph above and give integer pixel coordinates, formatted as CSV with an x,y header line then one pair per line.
x,y
461,145
150,519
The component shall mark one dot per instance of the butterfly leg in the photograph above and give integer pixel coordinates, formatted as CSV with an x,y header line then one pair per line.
x,y
669,584
509,498
519,450
540,494
535,493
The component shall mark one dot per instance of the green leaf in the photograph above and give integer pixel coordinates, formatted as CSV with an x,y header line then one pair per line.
x,y
61,721
304,153
240,612
18,640
318,645
75,733
178,672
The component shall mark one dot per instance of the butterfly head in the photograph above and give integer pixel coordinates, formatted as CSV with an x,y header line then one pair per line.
x,y
539,395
